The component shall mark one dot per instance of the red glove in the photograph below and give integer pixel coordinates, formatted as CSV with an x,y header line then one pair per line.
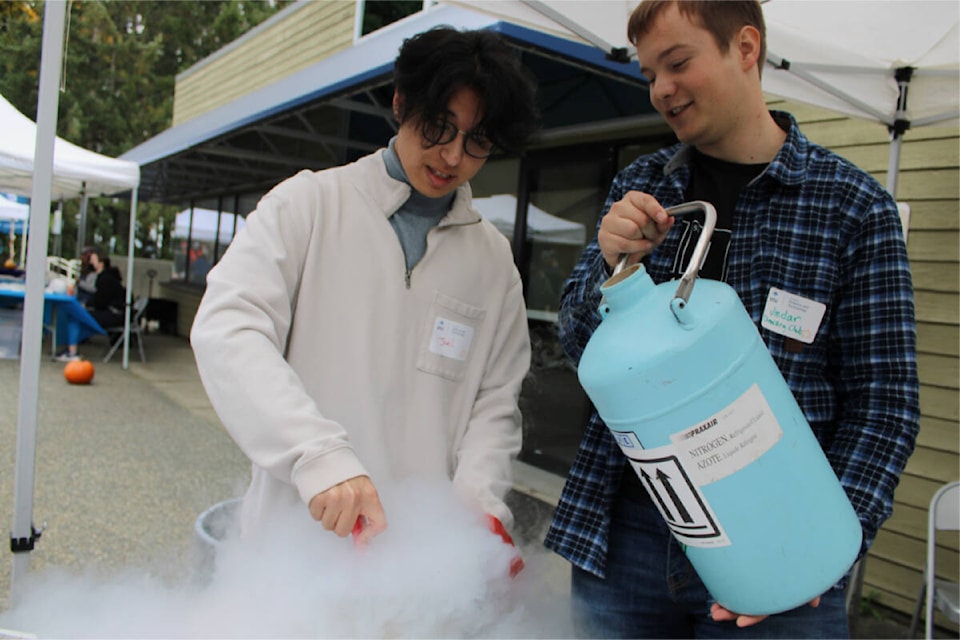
x,y
357,530
496,527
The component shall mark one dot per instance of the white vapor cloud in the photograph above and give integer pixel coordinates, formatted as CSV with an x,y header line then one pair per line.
x,y
436,572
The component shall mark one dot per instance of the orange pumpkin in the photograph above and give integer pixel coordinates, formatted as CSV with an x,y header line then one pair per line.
x,y
78,372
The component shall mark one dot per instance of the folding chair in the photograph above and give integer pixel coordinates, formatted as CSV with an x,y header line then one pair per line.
x,y
115,334
943,515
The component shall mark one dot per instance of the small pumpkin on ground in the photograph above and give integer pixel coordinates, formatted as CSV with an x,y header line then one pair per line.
x,y
79,372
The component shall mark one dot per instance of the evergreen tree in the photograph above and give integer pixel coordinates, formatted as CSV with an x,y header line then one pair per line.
x,y
121,59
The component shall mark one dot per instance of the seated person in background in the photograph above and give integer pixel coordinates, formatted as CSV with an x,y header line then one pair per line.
x,y
107,301
87,283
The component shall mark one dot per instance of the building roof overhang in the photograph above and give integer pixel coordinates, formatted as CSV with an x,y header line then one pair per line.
x,y
339,109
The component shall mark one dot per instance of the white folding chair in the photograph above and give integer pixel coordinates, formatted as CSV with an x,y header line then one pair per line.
x,y
70,269
115,334
904,210
937,593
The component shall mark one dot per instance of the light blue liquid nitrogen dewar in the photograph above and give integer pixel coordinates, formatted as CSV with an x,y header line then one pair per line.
x,y
694,398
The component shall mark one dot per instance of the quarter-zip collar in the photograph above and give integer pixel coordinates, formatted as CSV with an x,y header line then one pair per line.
x,y
390,194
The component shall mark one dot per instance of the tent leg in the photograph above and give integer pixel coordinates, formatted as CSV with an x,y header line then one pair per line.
x,y
127,306
23,532
893,165
82,223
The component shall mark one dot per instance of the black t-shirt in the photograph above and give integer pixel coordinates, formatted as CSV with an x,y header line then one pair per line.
x,y
718,182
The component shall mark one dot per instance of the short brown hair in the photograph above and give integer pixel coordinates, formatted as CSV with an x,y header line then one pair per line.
x,y
722,18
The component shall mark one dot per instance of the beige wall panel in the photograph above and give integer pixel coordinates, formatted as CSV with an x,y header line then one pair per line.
x,y
938,338
939,434
939,371
939,466
869,157
940,245
314,31
936,307
888,572
907,520
938,402
840,134
916,491
804,113
838,130
915,156
935,276
930,133
934,214
930,184
891,584
937,152
893,546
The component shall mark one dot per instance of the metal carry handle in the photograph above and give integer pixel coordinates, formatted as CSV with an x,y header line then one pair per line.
x,y
682,295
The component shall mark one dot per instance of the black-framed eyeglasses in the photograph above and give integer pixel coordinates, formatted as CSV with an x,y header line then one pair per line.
x,y
475,143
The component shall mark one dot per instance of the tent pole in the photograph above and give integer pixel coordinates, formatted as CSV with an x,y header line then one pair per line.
x,y
893,165
24,535
898,128
82,222
23,239
127,306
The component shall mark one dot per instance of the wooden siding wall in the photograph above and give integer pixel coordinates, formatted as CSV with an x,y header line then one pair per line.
x,y
929,182
306,33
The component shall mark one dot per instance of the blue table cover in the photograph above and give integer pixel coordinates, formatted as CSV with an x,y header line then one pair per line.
x,y
74,322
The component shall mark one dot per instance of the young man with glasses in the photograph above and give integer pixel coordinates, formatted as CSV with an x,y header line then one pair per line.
x,y
368,325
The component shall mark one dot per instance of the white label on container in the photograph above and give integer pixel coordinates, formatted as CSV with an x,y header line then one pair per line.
x,y
679,500
729,440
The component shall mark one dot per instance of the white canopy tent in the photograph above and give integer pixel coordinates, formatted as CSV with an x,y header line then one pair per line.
x,y
13,214
541,226
857,58
77,173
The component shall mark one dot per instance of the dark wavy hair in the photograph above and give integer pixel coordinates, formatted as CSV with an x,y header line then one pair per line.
x,y
435,64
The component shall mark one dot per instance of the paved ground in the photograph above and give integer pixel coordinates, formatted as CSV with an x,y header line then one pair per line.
x,y
125,465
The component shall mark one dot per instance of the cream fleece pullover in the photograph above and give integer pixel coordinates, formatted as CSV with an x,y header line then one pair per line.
x,y
325,361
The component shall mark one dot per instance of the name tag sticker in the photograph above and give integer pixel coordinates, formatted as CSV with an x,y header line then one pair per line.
x,y
792,315
451,339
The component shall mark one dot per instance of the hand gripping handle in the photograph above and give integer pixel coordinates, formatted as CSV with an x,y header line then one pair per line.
x,y
682,295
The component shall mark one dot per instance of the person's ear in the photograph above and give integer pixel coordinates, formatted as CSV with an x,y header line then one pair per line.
x,y
747,43
397,105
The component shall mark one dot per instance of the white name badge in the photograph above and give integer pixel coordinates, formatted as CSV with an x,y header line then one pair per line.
x,y
792,315
451,339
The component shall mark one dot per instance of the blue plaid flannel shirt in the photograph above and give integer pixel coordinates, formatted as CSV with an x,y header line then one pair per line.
x,y
812,224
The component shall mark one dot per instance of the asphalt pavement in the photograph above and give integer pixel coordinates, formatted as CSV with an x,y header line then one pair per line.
x,y
123,466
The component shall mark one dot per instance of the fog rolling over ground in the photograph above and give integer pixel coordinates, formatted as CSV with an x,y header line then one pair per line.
x,y
437,572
